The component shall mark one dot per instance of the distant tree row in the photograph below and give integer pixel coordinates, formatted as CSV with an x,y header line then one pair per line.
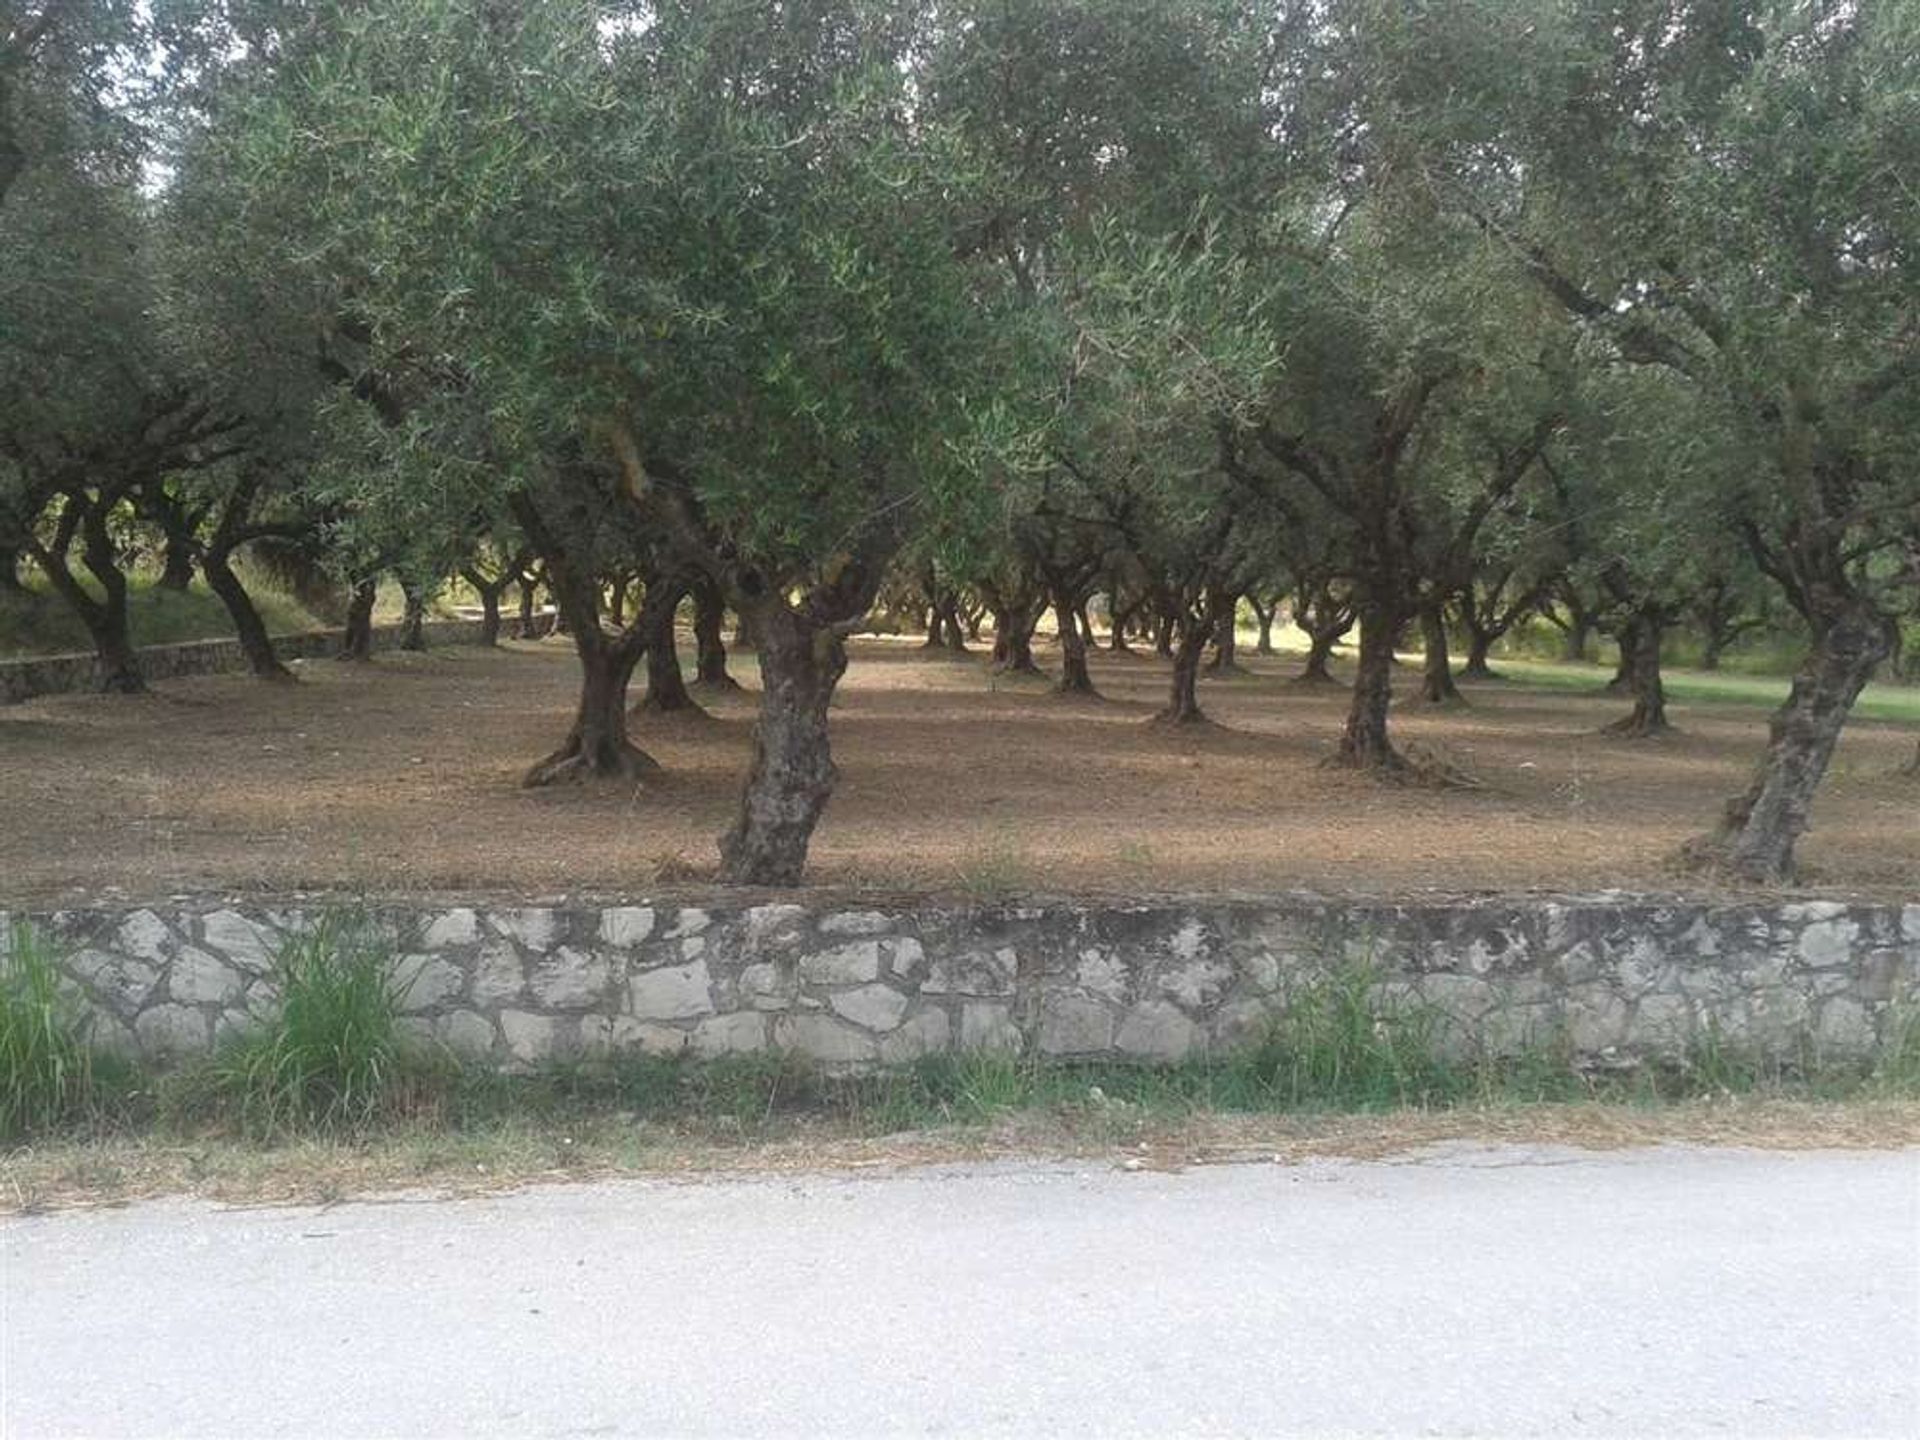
x,y
1419,322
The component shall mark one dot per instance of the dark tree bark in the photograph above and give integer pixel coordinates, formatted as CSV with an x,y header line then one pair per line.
x,y
1364,743
413,617
667,692
709,623
106,618
1075,677
1195,625
357,643
255,643
1436,675
1640,640
176,572
1013,640
1163,628
1226,640
1479,644
490,590
1318,667
617,600
526,626
1761,827
596,747
792,774
10,581
1264,614
1326,619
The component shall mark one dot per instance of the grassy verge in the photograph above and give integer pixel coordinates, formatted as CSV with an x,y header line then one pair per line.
x,y
39,622
331,1097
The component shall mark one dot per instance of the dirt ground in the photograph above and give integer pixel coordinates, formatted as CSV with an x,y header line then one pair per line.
x,y
402,776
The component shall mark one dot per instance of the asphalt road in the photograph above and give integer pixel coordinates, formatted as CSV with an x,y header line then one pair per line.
x,y
1464,1291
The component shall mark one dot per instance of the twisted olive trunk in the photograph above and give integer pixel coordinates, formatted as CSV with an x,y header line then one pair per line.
x,y
1757,835
1364,742
792,774
1436,678
357,643
251,631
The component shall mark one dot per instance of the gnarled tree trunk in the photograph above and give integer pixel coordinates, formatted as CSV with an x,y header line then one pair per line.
x,y
413,617
1436,674
709,621
1757,835
251,631
1264,614
667,692
1075,677
792,774
1640,666
1013,640
357,643
1364,742
1226,640
107,620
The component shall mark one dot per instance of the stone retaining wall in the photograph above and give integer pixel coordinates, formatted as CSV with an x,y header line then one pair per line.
x,y
59,674
1615,979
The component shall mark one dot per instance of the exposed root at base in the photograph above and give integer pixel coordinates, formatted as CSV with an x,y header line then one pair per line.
x,y
573,766
1638,727
1418,766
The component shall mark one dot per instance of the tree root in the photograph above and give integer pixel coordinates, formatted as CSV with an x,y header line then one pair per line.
x,y
570,765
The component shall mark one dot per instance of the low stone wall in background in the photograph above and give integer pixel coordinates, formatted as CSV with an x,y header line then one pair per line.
x,y
1614,979
59,674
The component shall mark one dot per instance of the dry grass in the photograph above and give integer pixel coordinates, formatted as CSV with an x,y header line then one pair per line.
x,y
118,1171
402,776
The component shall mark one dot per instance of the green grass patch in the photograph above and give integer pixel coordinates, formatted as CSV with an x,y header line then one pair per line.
x,y
39,622
50,1075
333,1058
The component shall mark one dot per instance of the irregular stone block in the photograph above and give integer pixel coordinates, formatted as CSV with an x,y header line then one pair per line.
x,y
672,992
970,973
1199,984
121,981
427,982
852,964
530,1038
1071,1025
626,926
1189,940
738,1034
856,922
767,987
570,980
1596,1021
450,929
1844,1027
874,1007
1828,943
144,936
173,1030
1261,970
985,1025
536,928
926,1033
904,956
688,922
465,1033
250,946
1465,997
1664,1023
767,924
1156,1030
1243,1022
197,978
822,1038
1099,973
498,974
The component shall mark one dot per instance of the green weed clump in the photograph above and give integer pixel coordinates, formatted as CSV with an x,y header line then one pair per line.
x,y
46,1063
334,1058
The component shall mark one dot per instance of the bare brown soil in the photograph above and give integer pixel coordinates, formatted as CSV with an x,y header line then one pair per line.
x,y
402,775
